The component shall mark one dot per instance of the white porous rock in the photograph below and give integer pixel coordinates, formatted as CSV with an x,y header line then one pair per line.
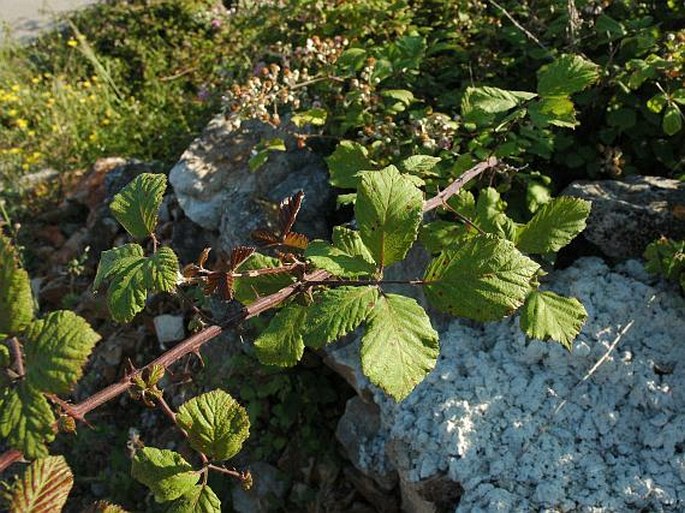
x,y
525,426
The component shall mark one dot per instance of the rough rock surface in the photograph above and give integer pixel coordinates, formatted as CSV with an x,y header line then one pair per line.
x,y
527,426
629,214
217,190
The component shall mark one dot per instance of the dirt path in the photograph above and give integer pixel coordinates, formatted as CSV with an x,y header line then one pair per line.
x,y
25,18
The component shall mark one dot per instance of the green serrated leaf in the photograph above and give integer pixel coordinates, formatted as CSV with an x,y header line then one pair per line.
x,y
400,346
114,260
389,211
566,75
336,261
281,342
248,289
56,349
480,105
420,165
554,225
161,271
351,243
164,472
553,110
136,206
44,487
200,499
673,120
26,420
345,162
546,315
315,117
16,300
485,279
132,276
336,313
401,95
216,424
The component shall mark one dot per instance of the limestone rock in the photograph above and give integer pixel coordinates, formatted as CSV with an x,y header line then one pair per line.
x,y
169,328
217,190
629,214
527,426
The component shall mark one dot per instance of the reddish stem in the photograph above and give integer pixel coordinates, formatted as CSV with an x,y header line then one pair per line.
x,y
193,344
18,356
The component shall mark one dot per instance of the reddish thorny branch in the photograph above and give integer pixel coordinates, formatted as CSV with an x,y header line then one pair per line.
x,y
192,344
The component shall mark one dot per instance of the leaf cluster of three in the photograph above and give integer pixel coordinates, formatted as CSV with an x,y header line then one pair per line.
x,y
479,276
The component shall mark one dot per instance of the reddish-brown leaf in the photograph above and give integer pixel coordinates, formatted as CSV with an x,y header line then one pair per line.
x,y
202,259
221,283
44,487
288,211
239,255
296,240
266,237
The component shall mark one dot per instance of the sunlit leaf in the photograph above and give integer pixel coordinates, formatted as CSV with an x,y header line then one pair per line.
x,y
44,487
216,424
399,346
56,349
164,472
546,315
136,206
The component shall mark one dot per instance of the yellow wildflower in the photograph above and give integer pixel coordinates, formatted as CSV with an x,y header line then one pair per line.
x,y
22,124
72,42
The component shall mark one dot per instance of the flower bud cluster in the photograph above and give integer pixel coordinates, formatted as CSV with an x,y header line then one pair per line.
x,y
286,84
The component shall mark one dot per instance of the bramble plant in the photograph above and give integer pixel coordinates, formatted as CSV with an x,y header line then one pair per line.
x,y
482,270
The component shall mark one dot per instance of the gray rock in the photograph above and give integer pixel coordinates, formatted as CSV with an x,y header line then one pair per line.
x,y
217,190
169,328
627,215
267,492
527,426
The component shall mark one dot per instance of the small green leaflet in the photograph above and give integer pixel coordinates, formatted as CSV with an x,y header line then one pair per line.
x,y
216,424
56,349
566,75
16,301
314,117
336,261
132,276
389,211
554,225
480,105
164,472
44,487
136,205
345,162
553,110
26,420
673,120
546,315
281,342
420,165
262,151
249,289
337,312
200,499
351,243
485,279
400,346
